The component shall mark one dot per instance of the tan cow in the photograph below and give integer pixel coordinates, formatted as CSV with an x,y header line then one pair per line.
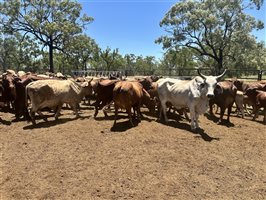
x,y
54,93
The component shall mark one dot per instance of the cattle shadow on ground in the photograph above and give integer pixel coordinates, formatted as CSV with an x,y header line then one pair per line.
x,y
216,120
186,126
5,122
53,122
124,126
110,117
204,135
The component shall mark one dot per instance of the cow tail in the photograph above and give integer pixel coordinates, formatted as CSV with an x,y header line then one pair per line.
x,y
26,104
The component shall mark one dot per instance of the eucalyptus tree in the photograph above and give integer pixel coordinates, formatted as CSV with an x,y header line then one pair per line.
x,y
252,58
50,22
210,27
80,50
8,52
178,61
109,56
145,64
28,53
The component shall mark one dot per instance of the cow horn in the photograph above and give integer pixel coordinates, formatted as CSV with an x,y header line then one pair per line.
x,y
202,76
220,76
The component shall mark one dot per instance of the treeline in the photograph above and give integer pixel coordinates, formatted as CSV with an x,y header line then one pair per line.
x,y
50,36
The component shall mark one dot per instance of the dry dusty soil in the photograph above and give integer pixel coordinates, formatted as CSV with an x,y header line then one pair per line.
x,y
86,158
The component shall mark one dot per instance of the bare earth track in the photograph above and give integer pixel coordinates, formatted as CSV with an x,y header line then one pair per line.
x,y
87,159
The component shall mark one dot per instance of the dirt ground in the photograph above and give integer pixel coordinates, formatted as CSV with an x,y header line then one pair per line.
x,y
86,158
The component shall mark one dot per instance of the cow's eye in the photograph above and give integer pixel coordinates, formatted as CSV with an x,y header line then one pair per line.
x,y
202,85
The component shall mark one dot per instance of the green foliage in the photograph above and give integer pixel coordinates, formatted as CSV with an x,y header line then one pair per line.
x,y
50,22
79,50
17,54
212,28
175,61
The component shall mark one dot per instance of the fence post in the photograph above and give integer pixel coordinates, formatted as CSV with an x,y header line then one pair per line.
x,y
259,75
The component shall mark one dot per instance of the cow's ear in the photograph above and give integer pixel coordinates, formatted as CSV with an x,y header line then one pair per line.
x,y
194,87
218,89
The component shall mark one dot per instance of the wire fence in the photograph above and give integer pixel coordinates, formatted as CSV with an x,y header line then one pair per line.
x,y
184,73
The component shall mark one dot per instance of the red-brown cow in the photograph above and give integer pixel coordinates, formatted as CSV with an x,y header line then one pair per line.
x,y
104,94
130,94
224,97
9,90
244,86
258,99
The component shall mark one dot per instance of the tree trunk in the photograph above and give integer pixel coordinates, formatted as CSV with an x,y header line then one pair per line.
x,y
220,63
51,61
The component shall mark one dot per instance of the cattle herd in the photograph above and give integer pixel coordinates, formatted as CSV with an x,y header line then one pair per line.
x,y
24,94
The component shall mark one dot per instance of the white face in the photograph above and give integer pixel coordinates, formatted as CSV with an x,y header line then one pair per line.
x,y
210,83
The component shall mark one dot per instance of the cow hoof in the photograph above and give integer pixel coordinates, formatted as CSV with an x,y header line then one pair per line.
x,y
194,130
219,122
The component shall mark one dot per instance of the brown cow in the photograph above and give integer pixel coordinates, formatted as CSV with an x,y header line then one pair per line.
x,y
20,107
104,94
9,90
244,86
130,94
258,99
224,97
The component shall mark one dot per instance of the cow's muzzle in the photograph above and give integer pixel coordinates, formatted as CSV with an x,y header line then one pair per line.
x,y
210,96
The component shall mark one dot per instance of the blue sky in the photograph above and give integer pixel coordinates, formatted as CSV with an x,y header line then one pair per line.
x,y
132,26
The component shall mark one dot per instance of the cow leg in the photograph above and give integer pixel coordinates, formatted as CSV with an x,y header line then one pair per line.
x,y
256,112
76,110
197,120
139,113
97,103
130,115
186,115
192,117
240,109
32,115
116,112
248,112
229,110
264,118
58,111
221,115
42,115
163,111
105,108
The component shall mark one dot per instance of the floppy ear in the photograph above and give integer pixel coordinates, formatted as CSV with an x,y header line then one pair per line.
x,y
195,87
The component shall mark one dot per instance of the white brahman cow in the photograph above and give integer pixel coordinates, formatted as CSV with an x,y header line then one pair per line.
x,y
193,94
